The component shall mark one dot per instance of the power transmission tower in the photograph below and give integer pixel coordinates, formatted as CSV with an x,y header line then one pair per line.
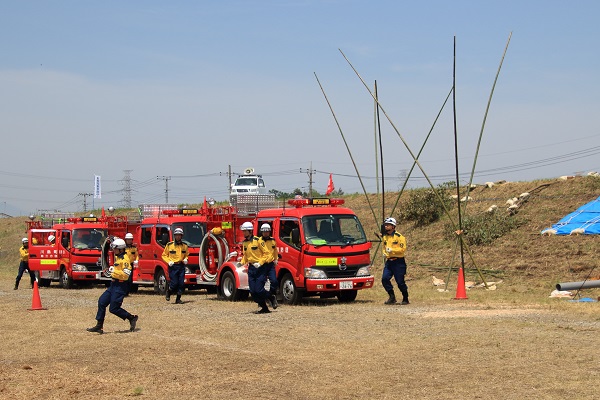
x,y
166,179
85,196
127,188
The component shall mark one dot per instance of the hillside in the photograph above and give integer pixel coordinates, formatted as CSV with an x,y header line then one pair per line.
x,y
521,257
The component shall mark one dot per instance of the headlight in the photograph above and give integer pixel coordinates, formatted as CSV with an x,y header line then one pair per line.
x,y
311,273
79,267
364,271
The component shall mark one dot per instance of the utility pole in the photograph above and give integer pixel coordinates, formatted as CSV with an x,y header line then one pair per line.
x,y
166,179
127,188
310,180
85,196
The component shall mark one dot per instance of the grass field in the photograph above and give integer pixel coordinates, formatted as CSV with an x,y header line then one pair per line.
x,y
510,343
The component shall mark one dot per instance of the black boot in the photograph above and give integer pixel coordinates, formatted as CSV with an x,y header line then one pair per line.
x,y
132,321
263,309
98,327
405,297
16,285
273,301
178,299
392,298
168,295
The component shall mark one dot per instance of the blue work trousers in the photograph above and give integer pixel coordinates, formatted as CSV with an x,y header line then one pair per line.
x,y
257,277
272,277
177,279
397,269
24,265
113,296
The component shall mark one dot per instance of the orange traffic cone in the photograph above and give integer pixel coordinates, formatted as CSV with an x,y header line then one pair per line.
x,y
36,302
461,292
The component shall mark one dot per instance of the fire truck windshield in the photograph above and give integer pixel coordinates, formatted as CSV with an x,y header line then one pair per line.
x,y
88,238
193,232
335,229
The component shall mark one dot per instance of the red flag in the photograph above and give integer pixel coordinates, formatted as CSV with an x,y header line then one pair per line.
x,y
103,213
330,187
204,204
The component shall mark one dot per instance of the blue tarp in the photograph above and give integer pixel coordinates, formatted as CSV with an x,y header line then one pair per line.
x,y
584,220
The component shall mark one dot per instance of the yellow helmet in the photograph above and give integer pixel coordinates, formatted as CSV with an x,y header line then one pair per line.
x,y
216,231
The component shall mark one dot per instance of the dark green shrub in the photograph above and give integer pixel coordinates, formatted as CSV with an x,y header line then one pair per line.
x,y
424,206
484,228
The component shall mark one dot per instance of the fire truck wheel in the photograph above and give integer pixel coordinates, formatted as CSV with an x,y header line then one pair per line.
x,y
160,282
347,296
66,282
290,294
229,290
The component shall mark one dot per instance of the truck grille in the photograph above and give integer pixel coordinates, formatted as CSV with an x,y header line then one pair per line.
x,y
335,272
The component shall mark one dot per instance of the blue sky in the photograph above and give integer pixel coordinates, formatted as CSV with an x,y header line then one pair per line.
x,y
188,88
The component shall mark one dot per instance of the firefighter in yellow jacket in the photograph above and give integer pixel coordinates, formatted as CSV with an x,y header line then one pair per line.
x,y
24,264
394,247
132,253
117,290
269,261
176,255
254,256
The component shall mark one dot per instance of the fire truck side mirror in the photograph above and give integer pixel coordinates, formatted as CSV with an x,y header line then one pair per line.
x,y
295,236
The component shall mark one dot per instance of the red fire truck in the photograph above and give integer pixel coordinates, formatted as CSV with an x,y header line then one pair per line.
x,y
323,252
155,231
73,257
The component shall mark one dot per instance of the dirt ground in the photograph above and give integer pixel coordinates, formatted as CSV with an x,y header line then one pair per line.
x,y
439,348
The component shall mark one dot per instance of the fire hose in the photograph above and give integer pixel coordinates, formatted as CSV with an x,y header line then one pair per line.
x,y
222,255
104,260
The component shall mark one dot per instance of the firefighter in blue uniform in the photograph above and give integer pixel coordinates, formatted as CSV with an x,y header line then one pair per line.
x,y
269,247
117,290
176,255
24,264
394,247
132,253
257,273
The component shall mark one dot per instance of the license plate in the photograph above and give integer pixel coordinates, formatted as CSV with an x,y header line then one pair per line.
x,y
346,285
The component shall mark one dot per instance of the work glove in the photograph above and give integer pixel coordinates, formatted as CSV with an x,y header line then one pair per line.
x,y
127,272
383,232
232,254
111,269
256,265
171,263
275,262
185,261
135,263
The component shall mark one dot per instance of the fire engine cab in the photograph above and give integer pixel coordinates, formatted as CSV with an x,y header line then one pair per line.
x,y
323,251
72,257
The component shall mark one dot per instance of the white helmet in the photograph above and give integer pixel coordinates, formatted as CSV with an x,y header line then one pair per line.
x,y
129,235
265,228
51,238
390,220
25,240
247,226
118,244
178,231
